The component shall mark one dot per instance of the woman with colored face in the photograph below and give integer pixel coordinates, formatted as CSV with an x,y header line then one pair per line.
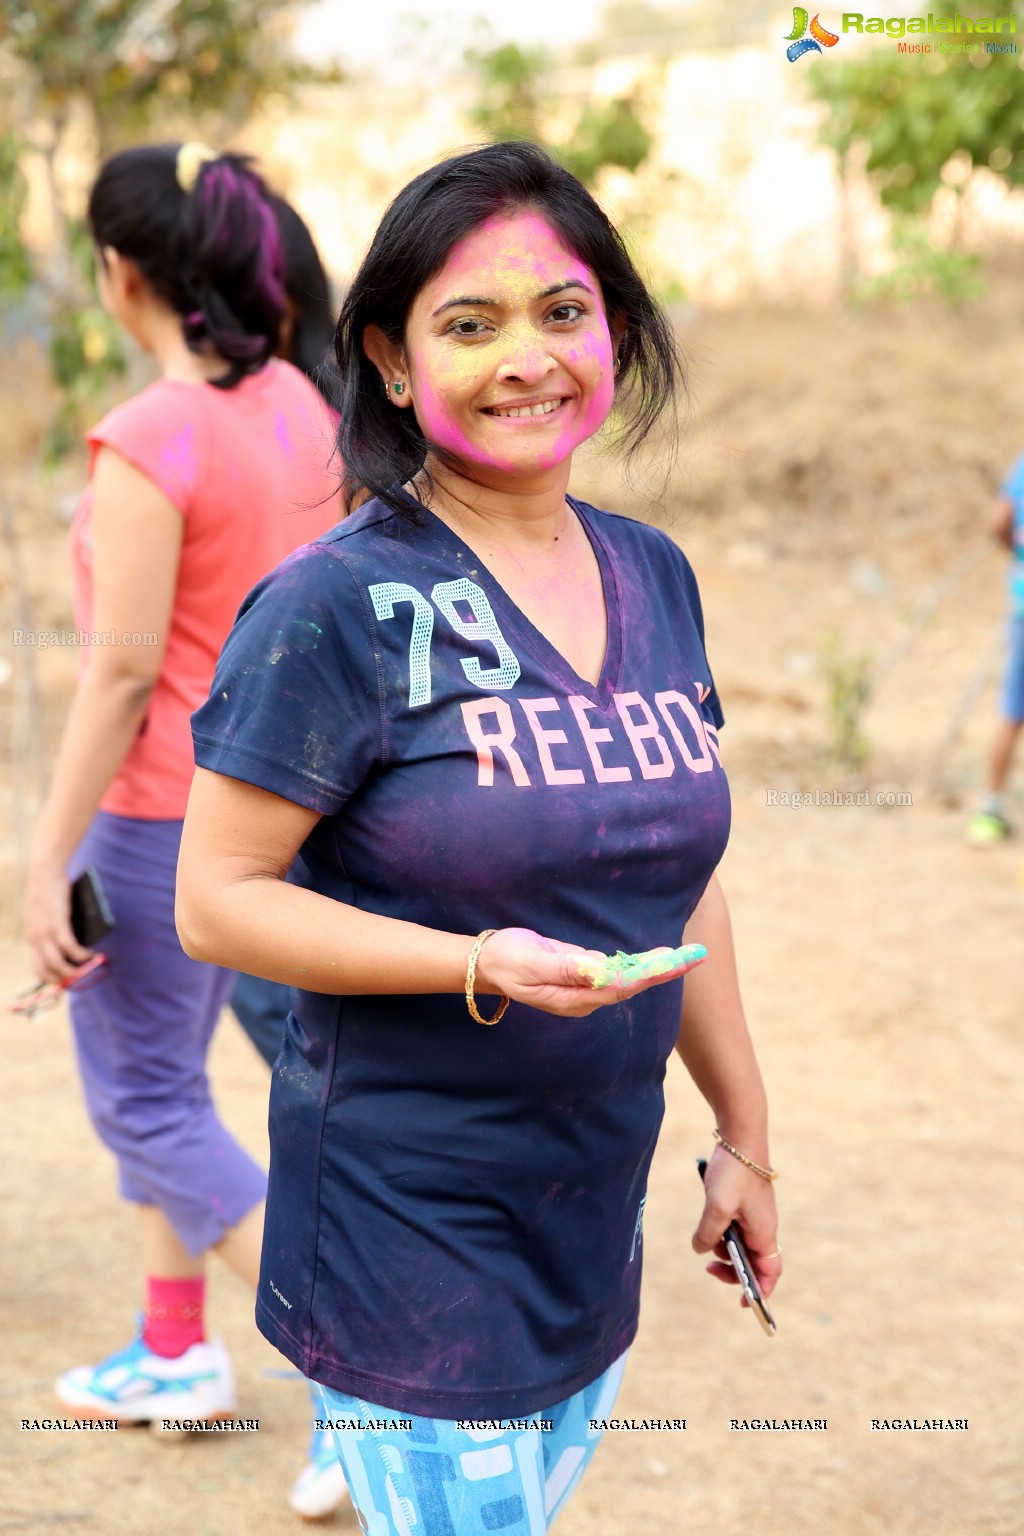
x,y
480,713
508,353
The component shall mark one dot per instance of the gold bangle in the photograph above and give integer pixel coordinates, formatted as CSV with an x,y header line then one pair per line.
x,y
766,1173
474,956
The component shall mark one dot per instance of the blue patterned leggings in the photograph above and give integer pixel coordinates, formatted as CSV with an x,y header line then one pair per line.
x,y
436,1479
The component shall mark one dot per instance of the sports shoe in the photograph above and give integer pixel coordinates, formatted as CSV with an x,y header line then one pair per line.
x,y
135,1386
320,1487
987,827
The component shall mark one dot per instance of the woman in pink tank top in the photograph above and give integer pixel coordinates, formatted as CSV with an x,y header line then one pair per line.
x,y
198,487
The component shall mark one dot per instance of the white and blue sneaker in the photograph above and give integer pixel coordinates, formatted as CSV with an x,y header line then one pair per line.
x,y
320,1488
135,1386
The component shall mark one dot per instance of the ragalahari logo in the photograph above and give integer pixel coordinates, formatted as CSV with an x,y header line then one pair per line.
x,y
800,43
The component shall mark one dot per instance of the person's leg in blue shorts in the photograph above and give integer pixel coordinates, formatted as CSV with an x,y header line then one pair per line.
x,y
439,1479
989,823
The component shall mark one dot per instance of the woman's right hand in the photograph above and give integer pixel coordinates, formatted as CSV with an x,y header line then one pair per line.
x,y
543,973
56,953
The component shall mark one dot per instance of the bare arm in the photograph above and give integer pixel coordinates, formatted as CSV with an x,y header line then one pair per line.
x,y
715,1046
234,908
1002,522
137,546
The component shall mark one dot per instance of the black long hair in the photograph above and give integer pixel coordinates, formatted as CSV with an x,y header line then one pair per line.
x,y
213,254
310,343
382,447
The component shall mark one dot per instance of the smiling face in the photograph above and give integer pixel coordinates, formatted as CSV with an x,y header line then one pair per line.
x,y
508,353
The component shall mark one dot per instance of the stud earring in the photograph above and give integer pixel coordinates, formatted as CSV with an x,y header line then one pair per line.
x,y
399,387
618,362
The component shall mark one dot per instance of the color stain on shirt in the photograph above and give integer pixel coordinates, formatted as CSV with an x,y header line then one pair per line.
x,y
284,437
453,1211
178,455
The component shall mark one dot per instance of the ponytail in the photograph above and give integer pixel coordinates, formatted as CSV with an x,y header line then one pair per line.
x,y
212,253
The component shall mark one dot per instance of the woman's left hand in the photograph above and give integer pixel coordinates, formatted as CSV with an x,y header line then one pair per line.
x,y
56,953
733,1193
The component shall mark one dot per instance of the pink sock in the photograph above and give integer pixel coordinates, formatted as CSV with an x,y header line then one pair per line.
x,y
174,1314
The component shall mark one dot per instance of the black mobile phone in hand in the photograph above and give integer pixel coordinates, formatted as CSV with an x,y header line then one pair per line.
x,y
91,917
740,1261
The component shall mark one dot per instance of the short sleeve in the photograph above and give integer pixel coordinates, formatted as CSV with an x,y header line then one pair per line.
x,y
294,707
158,431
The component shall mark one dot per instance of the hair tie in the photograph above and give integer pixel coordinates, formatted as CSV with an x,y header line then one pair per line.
x,y
191,157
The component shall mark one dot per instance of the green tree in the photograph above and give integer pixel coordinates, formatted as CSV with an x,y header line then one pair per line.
x,y
915,124
15,269
514,101
611,134
914,116
510,90
132,62
119,70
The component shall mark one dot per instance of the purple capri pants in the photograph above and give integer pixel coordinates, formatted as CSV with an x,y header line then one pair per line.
x,y
141,1036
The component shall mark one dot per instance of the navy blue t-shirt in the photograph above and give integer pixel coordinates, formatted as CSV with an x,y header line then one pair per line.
x,y
454,1218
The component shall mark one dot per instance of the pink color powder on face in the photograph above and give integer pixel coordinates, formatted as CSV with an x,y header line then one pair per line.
x,y
519,354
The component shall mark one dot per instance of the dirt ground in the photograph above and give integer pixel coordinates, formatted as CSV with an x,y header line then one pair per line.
x,y
834,480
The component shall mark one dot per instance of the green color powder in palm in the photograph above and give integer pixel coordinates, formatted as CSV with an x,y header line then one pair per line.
x,y
625,970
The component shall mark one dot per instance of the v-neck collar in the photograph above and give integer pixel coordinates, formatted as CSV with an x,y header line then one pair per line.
x,y
543,652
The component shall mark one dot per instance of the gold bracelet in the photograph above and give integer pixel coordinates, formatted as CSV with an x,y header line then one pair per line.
x,y
474,956
766,1173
